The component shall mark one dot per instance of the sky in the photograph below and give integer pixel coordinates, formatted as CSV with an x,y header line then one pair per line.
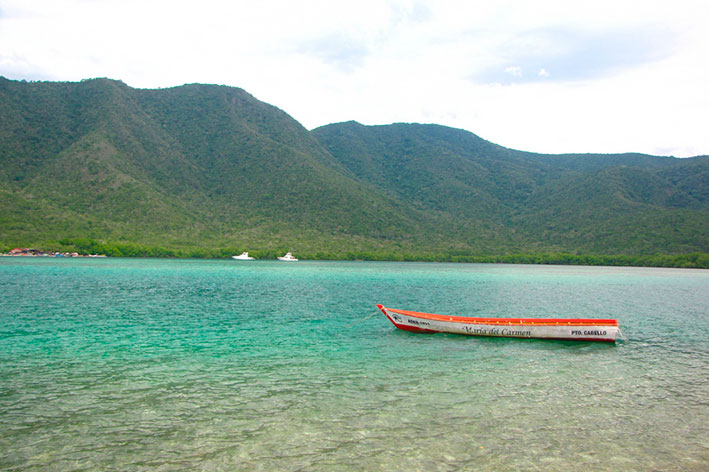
x,y
543,75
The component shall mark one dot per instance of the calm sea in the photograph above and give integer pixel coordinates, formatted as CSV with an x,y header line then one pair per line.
x,y
126,364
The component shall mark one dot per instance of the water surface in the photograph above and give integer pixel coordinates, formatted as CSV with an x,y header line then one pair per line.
x,y
224,365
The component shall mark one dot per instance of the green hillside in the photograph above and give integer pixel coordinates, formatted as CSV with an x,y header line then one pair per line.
x,y
196,166
608,204
207,170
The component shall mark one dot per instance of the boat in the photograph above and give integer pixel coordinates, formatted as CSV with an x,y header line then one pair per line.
x,y
244,256
577,329
288,257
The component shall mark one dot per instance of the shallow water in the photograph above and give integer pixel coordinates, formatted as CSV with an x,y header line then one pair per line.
x,y
225,365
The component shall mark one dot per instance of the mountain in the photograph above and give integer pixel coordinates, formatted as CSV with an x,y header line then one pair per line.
x,y
193,166
628,203
198,168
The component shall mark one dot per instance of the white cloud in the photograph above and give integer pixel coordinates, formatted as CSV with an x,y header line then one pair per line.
x,y
514,71
601,76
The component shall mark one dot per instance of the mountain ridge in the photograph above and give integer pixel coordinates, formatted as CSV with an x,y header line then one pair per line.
x,y
210,166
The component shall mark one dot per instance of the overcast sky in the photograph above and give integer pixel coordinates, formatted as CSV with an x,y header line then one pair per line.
x,y
545,76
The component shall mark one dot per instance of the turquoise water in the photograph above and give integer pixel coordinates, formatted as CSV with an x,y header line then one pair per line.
x,y
127,364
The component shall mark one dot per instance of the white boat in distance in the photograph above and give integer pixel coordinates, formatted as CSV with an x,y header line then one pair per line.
x,y
244,256
288,257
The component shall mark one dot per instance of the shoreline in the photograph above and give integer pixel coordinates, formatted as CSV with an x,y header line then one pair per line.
x,y
678,261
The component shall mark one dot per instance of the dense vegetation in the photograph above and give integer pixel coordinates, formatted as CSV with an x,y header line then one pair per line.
x,y
209,171
493,197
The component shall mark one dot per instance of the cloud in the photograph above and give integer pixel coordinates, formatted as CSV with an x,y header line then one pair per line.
x,y
514,71
574,55
403,13
342,52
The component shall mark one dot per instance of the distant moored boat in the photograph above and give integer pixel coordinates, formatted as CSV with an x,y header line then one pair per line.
x,y
244,256
287,257
577,329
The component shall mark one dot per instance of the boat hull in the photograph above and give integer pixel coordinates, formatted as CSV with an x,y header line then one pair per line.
x,y
576,329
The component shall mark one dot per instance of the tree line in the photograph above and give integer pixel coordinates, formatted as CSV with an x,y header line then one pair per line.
x,y
698,260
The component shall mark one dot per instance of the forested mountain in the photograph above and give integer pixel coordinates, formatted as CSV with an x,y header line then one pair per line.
x,y
195,166
200,168
592,203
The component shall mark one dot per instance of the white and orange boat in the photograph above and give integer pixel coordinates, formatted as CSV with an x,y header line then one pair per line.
x,y
577,329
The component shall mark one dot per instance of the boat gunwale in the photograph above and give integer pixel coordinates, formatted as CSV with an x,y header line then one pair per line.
x,y
504,321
